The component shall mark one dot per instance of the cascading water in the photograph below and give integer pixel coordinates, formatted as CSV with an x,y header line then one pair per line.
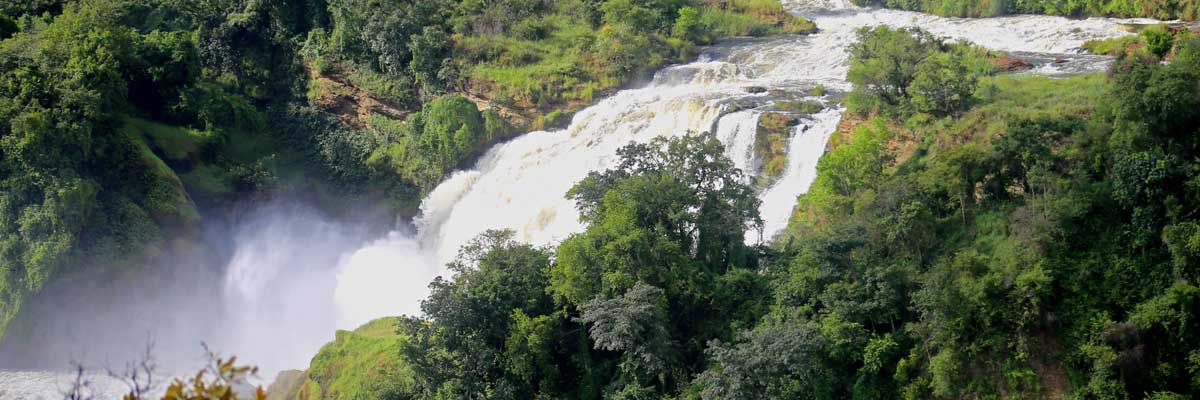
x,y
737,130
520,184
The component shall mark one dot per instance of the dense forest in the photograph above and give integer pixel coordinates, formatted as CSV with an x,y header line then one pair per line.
x,y
128,123
969,235
1187,10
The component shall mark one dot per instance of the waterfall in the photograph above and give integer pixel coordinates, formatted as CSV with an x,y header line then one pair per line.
x,y
737,130
520,184
804,150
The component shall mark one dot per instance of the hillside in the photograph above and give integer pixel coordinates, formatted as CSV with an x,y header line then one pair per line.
x,y
133,123
969,235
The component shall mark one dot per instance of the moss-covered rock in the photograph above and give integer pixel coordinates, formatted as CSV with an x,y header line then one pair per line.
x,y
771,145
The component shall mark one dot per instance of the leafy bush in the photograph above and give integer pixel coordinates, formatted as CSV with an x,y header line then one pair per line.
x,y
430,144
1158,39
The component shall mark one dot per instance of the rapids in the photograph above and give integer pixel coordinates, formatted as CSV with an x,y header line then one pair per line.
x,y
520,184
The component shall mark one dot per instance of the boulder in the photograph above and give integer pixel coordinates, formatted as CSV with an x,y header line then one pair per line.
x,y
1012,64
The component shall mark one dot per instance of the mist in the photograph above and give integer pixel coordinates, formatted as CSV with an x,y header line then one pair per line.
x,y
262,285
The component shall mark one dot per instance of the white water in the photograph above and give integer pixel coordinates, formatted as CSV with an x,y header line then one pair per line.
x,y
520,185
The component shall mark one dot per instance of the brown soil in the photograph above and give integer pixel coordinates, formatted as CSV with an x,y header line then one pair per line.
x,y
901,147
514,117
352,105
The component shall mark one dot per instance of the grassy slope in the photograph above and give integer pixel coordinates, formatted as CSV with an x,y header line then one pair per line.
x,y
1000,98
360,364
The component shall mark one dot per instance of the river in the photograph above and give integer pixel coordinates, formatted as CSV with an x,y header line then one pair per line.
x,y
520,184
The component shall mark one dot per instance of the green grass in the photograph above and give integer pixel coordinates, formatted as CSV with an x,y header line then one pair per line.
x,y
166,197
1005,97
209,180
360,364
1112,47
393,89
175,143
542,73
754,18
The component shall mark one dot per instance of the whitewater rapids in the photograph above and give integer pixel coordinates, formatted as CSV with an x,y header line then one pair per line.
x,y
520,184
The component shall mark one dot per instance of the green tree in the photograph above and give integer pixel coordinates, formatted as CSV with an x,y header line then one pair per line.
x,y
447,132
430,51
667,203
1161,100
634,324
1158,39
688,25
942,85
780,359
884,63
498,284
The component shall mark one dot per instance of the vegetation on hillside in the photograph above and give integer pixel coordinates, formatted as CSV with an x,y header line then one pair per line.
x,y
538,58
362,364
118,121
127,122
1158,9
1032,246
1034,238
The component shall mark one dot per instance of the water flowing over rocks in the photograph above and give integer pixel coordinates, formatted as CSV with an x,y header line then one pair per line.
x,y
520,184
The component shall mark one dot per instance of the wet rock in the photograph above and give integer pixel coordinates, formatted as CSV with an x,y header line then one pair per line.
x,y
1012,64
756,89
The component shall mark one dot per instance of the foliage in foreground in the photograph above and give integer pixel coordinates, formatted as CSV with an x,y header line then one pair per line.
x,y
221,379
